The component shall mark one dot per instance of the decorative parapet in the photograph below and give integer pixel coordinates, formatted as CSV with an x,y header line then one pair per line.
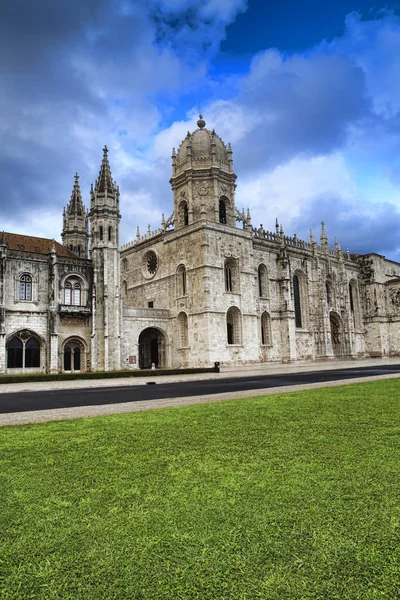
x,y
142,238
147,313
68,309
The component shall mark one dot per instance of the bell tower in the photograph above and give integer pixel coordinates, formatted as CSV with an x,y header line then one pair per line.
x,y
75,233
104,218
203,181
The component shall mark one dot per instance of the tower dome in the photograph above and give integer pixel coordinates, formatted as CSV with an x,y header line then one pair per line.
x,y
203,181
202,148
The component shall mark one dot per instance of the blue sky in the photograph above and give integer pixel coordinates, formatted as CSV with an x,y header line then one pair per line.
x,y
307,93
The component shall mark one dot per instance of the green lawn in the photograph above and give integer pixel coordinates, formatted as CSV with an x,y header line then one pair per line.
x,y
293,496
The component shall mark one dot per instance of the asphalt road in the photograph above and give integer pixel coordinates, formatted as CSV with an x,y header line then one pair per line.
x,y
69,398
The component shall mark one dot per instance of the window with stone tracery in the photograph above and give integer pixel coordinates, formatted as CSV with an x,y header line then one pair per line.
x,y
181,281
73,292
263,281
266,339
25,287
183,329
231,275
234,326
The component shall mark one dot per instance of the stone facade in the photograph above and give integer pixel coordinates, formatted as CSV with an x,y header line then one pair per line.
x,y
207,286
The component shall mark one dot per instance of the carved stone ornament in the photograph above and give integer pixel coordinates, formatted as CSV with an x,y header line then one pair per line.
x,y
183,193
395,297
203,190
224,189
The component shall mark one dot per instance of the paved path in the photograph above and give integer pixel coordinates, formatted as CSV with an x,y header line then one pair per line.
x,y
246,371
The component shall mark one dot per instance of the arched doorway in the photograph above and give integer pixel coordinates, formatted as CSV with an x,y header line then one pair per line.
x,y
336,334
152,348
73,356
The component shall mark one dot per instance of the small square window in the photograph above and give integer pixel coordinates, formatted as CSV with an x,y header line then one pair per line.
x,y
150,304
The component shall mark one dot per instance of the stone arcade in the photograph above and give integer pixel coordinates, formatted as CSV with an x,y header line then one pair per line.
x,y
197,290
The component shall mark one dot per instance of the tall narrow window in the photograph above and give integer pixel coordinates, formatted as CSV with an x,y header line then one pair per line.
x,y
77,294
109,234
234,326
263,281
181,280
32,353
101,232
328,293
125,264
79,249
68,293
25,287
231,275
222,211
14,354
266,329
351,297
297,301
183,329
124,288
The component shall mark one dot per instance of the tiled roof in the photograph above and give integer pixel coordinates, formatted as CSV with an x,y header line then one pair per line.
x,y
28,243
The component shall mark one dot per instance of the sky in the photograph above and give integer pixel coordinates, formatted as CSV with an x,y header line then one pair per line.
x,y
308,94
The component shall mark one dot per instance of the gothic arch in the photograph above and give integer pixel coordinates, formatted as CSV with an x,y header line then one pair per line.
x,y
234,326
263,282
25,350
266,337
300,299
231,273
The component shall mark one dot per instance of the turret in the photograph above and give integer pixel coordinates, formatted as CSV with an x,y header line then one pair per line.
x,y
202,179
104,251
75,233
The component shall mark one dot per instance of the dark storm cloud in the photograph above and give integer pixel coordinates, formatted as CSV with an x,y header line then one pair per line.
x,y
361,230
303,106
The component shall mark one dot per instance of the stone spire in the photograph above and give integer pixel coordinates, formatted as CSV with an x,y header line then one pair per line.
x,y
104,183
324,237
75,233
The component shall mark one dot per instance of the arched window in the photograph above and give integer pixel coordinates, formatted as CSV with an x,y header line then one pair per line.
x,y
222,210
68,293
109,234
263,281
354,306
124,288
77,294
181,281
184,213
73,291
23,350
328,290
183,330
125,264
73,355
266,339
79,249
25,287
231,275
297,301
14,354
101,232
234,326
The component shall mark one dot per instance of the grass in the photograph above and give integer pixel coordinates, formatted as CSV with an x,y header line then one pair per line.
x,y
293,496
